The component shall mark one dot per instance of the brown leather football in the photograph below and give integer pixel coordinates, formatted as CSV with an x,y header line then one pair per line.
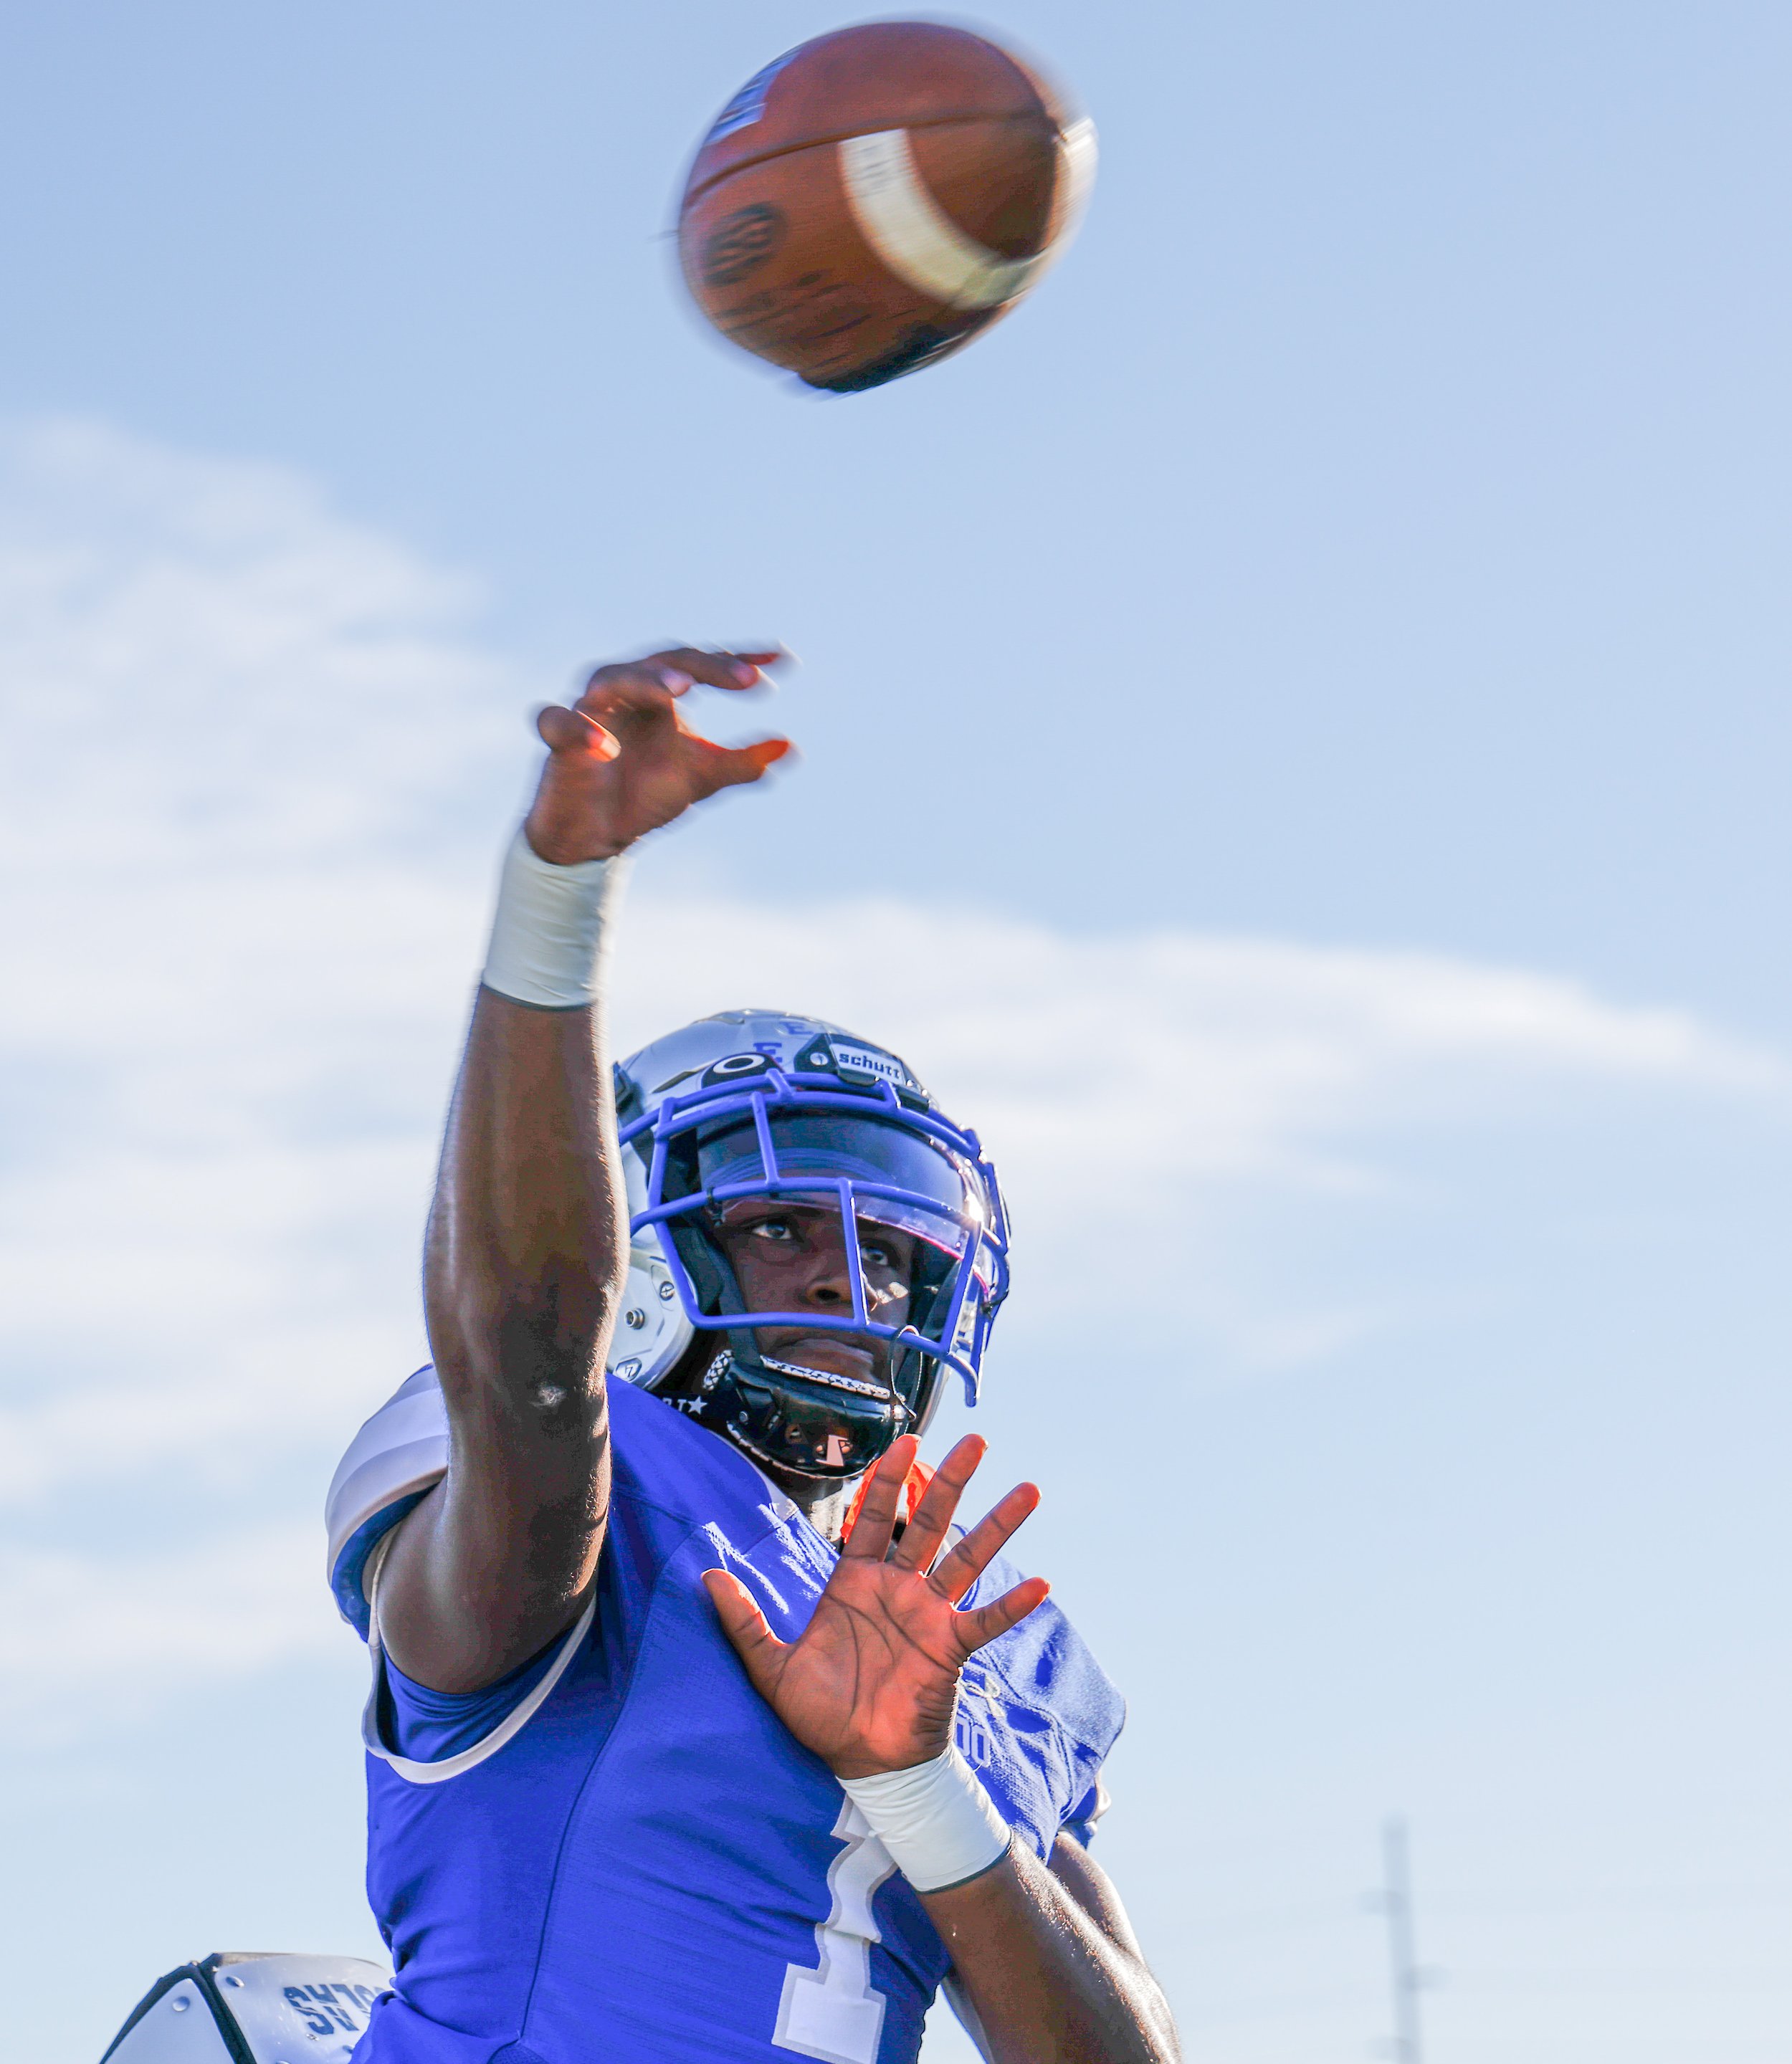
x,y
872,200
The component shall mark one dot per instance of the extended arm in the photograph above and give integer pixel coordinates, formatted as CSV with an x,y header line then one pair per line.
x,y
528,1242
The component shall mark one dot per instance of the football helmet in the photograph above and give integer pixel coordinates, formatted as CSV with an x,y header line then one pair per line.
x,y
765,1104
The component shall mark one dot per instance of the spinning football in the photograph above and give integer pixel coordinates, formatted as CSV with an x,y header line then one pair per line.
x,y
872,200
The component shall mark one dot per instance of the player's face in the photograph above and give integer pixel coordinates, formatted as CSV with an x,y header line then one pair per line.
x,y
791,1257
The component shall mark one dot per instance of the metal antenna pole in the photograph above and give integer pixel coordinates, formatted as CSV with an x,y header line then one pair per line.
x,y
1396,1903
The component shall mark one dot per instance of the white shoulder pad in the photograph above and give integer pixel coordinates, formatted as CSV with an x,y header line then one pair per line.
x,y
395,1458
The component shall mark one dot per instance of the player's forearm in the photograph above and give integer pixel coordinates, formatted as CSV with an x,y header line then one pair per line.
x,y
524,1267
522,1273
1048,1984
526,1241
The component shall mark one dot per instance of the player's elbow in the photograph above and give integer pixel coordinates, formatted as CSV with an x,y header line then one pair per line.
x,y
541,1344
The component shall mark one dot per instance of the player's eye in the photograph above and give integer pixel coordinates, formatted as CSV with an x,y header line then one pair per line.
x,y
780,1231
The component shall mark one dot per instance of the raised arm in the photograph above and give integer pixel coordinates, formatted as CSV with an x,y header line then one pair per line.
x,y
527,1239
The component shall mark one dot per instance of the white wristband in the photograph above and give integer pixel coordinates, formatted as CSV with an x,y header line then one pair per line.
x,y
939,1824
548,936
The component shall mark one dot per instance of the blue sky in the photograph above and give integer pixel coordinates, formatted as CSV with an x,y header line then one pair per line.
x,y
1294,728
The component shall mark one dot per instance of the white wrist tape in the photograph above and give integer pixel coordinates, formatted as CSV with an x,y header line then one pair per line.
x,y
548,937
939,1824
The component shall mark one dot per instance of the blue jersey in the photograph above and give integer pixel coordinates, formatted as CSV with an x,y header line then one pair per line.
x,y
635,1860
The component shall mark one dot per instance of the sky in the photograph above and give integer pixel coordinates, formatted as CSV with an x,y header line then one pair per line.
x,y
1293,731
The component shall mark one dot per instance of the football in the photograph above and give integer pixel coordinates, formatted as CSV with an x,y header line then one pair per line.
x,y
872,199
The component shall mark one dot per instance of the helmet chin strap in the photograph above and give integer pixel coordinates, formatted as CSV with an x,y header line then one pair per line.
x,y
830,1377
807,1421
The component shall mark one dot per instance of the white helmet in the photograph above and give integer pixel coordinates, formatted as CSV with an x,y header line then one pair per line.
x,y
765,1103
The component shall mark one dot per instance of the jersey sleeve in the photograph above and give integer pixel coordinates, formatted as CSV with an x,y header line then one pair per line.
x,y
426,1727
1038,1716
1078,1823
392,1461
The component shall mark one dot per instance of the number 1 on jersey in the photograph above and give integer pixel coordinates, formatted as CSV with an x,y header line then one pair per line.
x,y
835,2013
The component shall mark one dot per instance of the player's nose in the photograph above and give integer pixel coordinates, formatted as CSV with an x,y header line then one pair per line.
x,y
827,1283
831,1288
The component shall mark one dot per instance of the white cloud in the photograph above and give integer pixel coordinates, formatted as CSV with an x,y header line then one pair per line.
x,y
1167,1056
254,777
86,1639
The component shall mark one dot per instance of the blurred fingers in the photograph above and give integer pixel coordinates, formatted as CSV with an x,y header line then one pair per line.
x,y
571,731
729,766
719,670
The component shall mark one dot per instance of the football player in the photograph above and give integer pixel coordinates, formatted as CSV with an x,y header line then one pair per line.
x,y
701,1733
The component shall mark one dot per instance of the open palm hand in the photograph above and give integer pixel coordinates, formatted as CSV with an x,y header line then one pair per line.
x,y
871,1682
